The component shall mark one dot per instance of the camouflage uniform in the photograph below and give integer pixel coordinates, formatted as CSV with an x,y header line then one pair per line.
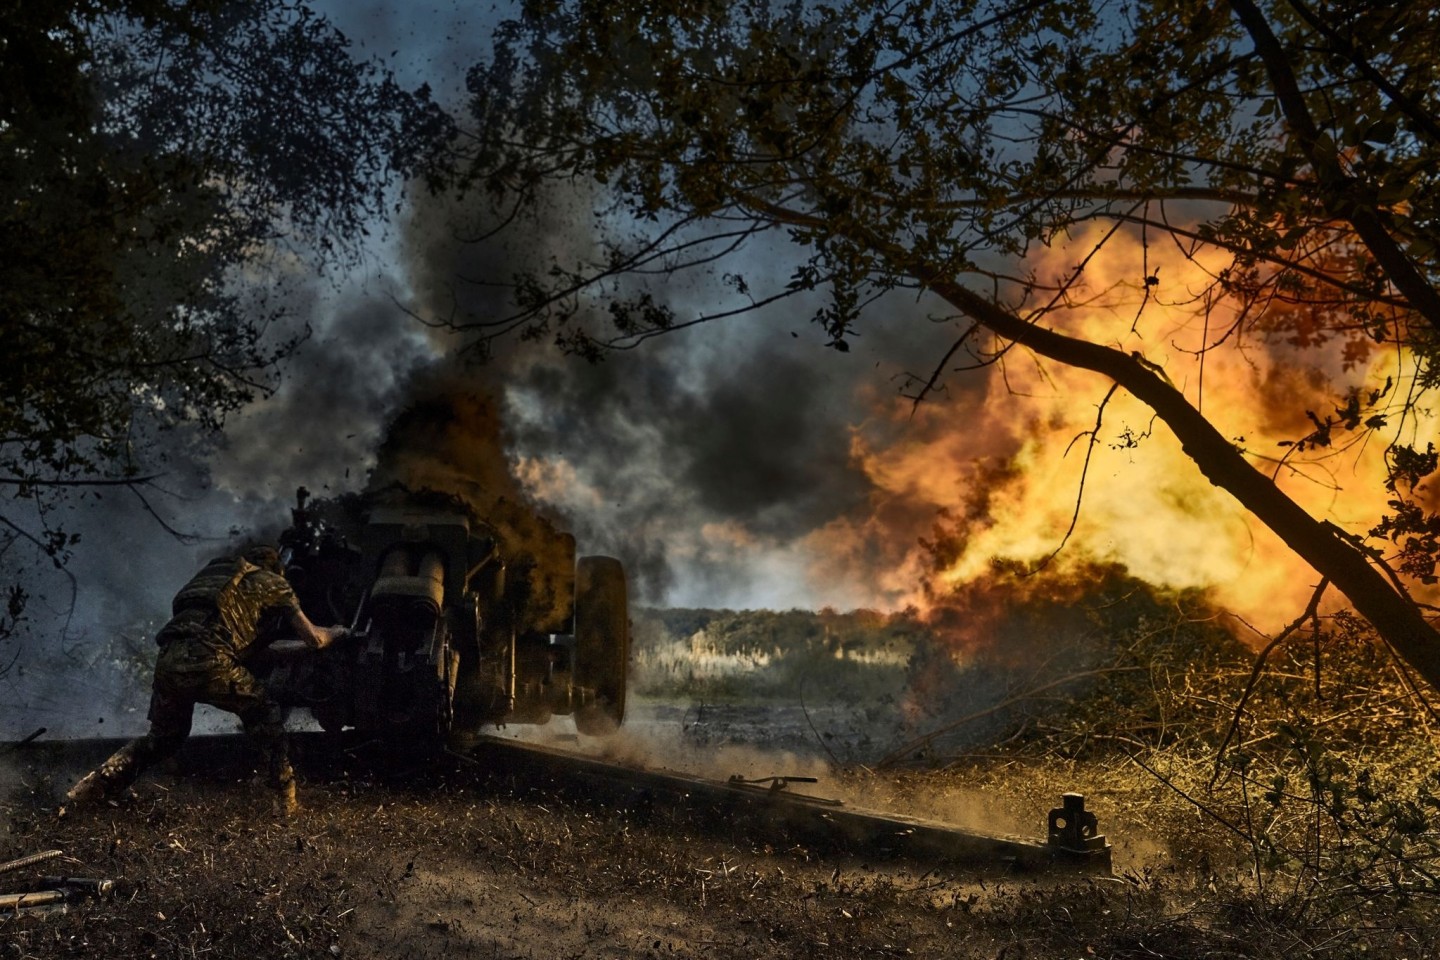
x,y
229,612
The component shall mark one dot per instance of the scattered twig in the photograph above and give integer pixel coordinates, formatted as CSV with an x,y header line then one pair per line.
x,y
1093,437
1243,835
899,753
1311,610
818,739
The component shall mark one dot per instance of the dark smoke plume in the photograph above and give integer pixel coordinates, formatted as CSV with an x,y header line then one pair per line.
x,y
711,460
449,440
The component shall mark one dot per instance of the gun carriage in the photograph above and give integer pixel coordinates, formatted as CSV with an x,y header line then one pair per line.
x,y
451,627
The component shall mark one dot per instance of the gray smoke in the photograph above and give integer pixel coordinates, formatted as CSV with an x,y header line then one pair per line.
x,y
82,665
702,458
324,424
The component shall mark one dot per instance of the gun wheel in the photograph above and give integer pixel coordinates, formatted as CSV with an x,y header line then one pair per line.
x,y
602,642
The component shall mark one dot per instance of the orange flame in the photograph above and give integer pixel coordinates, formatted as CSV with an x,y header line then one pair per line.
x,y
1004,462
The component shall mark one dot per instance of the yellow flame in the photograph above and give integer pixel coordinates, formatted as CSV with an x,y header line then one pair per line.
x,y
1145,503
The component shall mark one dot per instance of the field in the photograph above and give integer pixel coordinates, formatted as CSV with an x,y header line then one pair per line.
x,y
1309,829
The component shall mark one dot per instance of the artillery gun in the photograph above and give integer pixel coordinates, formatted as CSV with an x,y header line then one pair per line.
x,y
452,628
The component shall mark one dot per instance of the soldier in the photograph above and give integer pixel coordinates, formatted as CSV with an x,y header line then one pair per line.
x,y
230,612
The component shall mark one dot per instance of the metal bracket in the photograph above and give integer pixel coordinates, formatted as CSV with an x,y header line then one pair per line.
x,y
1072,827
777,787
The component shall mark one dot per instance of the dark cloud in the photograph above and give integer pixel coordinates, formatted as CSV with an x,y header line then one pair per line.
x,y
694,454
762,438
766,446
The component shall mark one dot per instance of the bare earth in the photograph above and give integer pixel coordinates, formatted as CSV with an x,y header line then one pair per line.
x,y
434,859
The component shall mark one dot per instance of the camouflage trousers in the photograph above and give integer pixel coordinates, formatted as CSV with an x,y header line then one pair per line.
x,y
188,672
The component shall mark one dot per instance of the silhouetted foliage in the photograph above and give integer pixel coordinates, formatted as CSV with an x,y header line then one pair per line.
x,y
152,155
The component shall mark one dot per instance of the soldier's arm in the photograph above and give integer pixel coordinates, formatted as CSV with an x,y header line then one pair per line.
x,y
281,599
317,637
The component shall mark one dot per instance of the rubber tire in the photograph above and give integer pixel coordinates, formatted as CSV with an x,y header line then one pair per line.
x,y
602,642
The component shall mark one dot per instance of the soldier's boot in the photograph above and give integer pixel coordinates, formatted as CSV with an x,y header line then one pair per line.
x,y
265,723
111,777
89,789
287,804
282,780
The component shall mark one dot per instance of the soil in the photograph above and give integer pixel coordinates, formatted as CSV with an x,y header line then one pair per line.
x,y
406,857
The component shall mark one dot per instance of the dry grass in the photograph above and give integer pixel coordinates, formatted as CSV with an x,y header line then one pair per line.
x,y
1316,835
442,861
436,861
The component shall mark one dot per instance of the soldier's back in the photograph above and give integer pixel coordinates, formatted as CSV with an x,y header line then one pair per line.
x,y
254,610
195,611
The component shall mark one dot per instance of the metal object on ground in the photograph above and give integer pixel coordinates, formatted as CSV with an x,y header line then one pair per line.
x,y
90,886
52,893
776,783
34,898
1074,828
30,861
764,809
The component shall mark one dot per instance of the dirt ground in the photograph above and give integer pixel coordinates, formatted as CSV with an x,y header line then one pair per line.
x,y
415,858
408,857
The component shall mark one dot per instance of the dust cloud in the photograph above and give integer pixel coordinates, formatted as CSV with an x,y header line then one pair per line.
x,y
662,744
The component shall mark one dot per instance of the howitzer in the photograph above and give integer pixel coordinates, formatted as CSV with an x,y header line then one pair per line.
x,y
451,628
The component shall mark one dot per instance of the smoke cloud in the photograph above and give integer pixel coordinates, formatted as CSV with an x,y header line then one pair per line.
x,y
711,460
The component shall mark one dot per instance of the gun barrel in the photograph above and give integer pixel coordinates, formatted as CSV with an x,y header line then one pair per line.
x,y
94,886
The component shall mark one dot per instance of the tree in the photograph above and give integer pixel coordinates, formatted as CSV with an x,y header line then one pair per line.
x,y
934,146
150,153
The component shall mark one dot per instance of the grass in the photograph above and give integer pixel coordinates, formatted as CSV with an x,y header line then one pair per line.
x,y
1298,816
1296,809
